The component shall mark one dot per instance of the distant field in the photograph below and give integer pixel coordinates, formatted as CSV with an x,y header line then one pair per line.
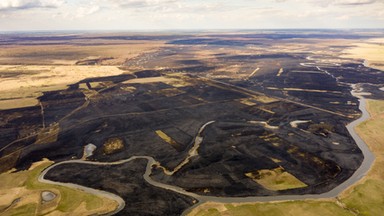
x,y
365,198
63,53
372,51
28,68
27,82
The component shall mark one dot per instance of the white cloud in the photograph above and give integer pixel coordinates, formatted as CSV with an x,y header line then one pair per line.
x,y
27,4
85,11
343,17
326,3
354,2
174,14
141,3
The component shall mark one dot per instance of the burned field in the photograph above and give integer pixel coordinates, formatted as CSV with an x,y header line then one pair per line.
x,y
127,181
219,116
251,132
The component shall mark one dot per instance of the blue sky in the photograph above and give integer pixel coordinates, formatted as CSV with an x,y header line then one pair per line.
x,y
188,14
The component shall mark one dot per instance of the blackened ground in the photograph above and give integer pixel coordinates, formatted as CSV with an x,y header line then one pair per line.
x,y
231,148
377,91
125,180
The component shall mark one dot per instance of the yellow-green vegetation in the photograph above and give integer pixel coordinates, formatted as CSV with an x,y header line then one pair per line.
x,y
247,101
276,179
364,198
166,138
367,198
24,185
28,209
169,140
209,212
307,208
376,108
113,145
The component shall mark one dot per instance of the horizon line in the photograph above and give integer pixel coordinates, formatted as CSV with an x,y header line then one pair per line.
x,y
187,30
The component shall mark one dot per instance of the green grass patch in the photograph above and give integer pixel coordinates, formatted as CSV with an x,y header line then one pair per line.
x,y
70,199
275,179
28,209
367,198
294,208
376,107
209,212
